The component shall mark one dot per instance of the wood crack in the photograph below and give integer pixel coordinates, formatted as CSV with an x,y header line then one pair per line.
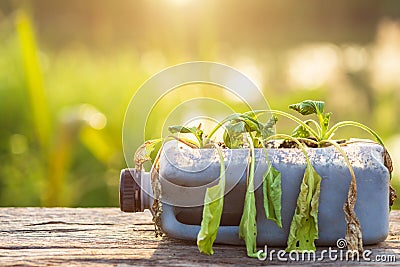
x,y
62,230
67,223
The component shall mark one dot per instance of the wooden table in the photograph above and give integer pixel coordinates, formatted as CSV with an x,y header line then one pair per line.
x,y
107,236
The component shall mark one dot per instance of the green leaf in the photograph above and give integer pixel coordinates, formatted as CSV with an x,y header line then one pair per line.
x,y
147,151
301,132
253,113
233,134
40,117
212,212
152,150
181,129
272,195
247,122
308,107
304,227
250,118
268,127
248,223
196,131
327,117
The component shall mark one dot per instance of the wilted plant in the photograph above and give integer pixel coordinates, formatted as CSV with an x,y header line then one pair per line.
x,y
246,131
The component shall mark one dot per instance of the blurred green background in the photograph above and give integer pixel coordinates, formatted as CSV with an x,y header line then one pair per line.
x,y
68,70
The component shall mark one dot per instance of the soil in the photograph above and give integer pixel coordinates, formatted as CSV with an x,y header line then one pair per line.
x,y
285,143
307,143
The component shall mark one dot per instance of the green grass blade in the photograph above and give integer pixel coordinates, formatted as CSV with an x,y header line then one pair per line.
x,y
37,95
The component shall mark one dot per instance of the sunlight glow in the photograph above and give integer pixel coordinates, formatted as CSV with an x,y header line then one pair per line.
x,y
180,2
355,57
253,71
312,65
393,145
385,67
93,117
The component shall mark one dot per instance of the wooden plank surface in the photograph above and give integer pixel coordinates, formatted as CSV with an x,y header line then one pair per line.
x,y
109,237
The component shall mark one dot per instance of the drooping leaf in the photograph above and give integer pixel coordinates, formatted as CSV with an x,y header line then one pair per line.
x,y
250,118
157,194
248,223
304,226
187,142
392,195
153,150
260,130
253,113
147,151
353,227
268,129
242,123
196,131
181,129
308,107
272,195
389,165
233,134
212,212
211,219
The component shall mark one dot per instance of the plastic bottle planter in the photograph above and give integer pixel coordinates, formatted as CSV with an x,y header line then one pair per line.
x,y
186,173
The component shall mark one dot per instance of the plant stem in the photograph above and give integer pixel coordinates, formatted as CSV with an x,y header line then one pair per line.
x,y
185,141
330,133
277,112
215,129
343,154
309,140
316,125
235,116
302,123
322,125
248,222
252,164
201,144
353,228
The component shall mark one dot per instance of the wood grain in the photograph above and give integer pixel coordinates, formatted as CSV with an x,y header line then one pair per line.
x,y
109,237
